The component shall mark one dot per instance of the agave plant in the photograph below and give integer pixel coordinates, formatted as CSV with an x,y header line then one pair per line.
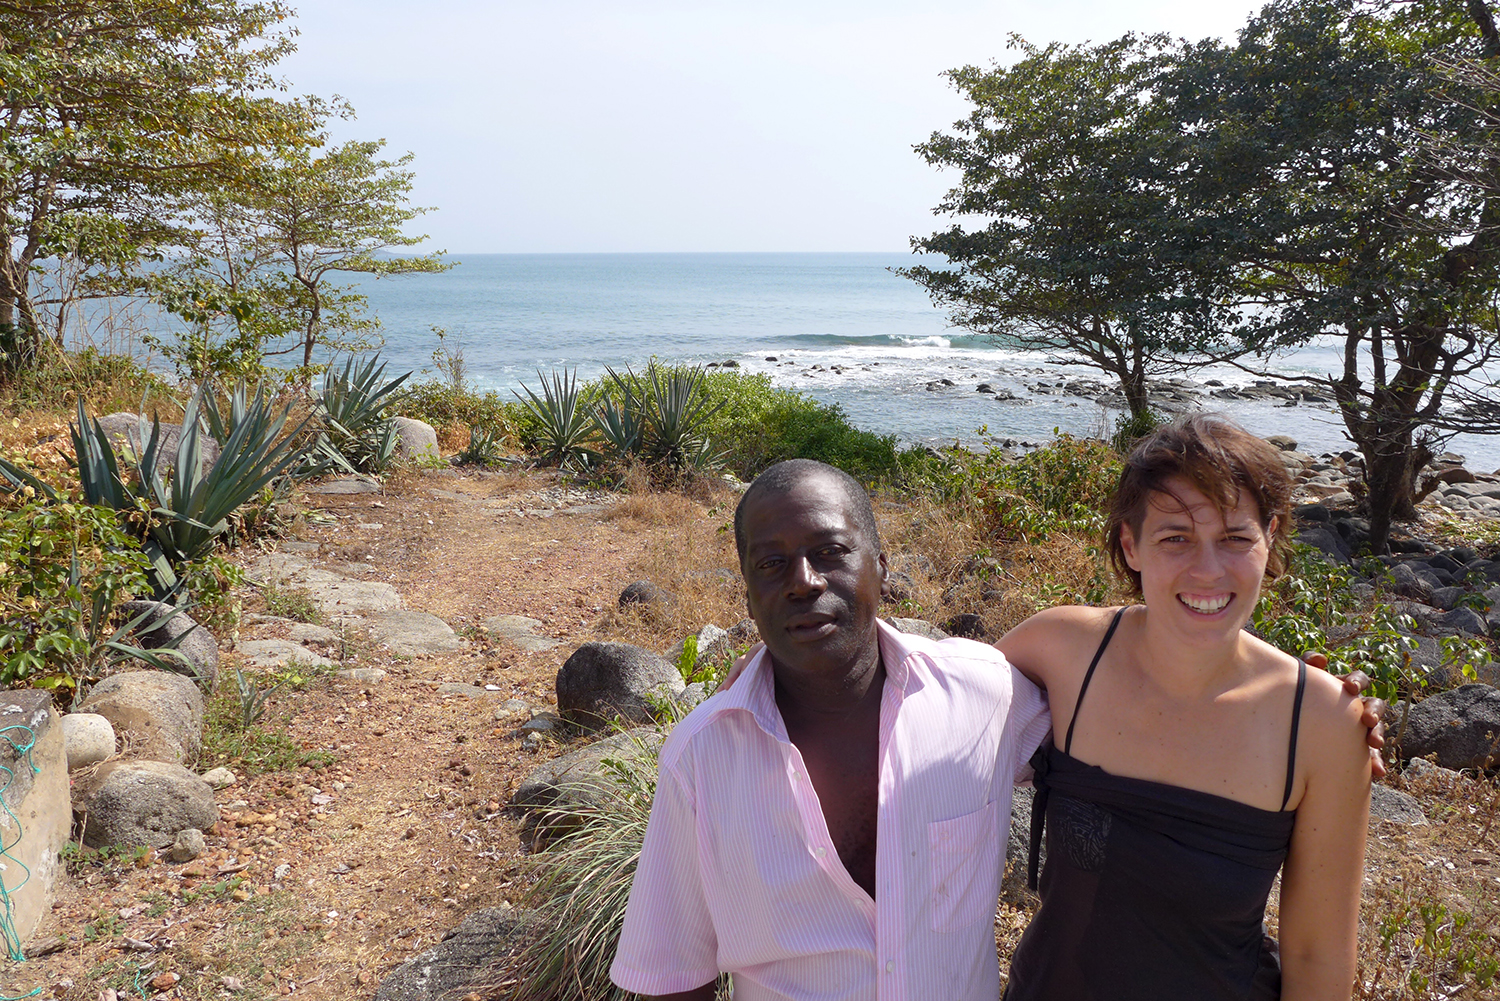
x,y
178,513
565,429
676,413
621,425
359,434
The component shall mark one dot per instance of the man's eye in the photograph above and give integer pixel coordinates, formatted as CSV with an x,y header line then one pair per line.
x,y
775,563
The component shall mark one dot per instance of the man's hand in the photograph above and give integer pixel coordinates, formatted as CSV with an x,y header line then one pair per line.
x,y
1355,682
749,655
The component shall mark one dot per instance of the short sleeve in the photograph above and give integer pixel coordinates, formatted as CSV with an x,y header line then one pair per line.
x,y
668,943
1029,723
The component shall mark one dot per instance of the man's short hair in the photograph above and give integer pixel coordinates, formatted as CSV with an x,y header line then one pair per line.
x,y
782,477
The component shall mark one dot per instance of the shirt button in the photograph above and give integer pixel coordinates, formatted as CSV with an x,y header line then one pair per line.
x,y
890,965
822,852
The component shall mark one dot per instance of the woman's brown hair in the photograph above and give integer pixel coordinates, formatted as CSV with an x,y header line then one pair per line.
x,y
1222,461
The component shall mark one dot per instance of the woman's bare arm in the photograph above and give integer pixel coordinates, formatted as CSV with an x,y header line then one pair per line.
x,y
1325,867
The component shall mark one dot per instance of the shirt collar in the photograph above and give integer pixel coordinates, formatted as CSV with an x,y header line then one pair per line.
x,y
755,691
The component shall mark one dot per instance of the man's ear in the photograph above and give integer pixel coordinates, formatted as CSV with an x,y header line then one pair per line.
x,y
1127,546
885,575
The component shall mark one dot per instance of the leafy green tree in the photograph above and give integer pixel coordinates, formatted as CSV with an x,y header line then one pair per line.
x,y
1074,165
1353,184
259,277
111,111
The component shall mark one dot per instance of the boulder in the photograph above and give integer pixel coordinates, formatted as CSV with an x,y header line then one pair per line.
x,y
689,698
88,738
647,595
136,803
416,440
714,647
601,681
1422,770
1462,620
917,627
1461,727
158,715
580,779
967,625
1326,541
463,956
166,625
124,430
1407,582
1395,806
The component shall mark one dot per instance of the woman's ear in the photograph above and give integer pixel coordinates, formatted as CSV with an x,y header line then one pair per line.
x,y
1272,527
1127,546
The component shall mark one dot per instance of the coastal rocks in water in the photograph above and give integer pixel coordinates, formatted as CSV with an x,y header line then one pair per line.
x,y
1461,727
165,626
984,387
143,803
456,962
158,715
1283,442
416,440
601,681
647,595
88,739
124,431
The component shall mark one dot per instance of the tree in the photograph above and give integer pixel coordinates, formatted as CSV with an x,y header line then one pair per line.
x,y
267,248
1355,189
1072,160
110,112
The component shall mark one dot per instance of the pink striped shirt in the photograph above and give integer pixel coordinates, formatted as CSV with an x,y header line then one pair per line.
x,y
738,872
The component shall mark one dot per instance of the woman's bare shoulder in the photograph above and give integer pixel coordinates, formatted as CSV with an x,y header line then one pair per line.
x,y
1054,637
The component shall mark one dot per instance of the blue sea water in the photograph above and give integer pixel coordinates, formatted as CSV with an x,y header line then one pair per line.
x,y
515,314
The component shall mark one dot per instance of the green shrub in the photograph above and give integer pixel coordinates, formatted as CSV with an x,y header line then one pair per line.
x,y
109,382
64,569
1065,486
440,404
758,424
355,410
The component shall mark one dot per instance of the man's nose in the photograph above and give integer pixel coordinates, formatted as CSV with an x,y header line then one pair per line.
x,y
804,578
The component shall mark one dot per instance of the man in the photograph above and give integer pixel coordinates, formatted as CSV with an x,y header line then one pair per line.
x,y
848,756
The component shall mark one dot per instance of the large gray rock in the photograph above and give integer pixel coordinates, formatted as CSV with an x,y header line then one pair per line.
x,y
416,440
88,737
1461,727
1408,583
137,803
158,715
917,627
166,626
124,431
602,681
1395,806
464,954
714,647
646,594
413,634
581,779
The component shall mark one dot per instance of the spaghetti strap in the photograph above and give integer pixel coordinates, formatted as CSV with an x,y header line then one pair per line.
x,y
1089,676
1291,753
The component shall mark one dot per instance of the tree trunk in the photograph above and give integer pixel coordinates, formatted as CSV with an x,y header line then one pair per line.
x,y
1392,463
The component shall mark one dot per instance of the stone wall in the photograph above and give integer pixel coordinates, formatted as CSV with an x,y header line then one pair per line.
x,y
38,799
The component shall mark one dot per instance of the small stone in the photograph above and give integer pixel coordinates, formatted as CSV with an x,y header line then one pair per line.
x,y
508,708
540,723
220,778
88,737
231,984
281,872
165,981
188,845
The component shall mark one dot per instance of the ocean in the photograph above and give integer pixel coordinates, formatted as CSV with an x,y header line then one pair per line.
x,y
795,317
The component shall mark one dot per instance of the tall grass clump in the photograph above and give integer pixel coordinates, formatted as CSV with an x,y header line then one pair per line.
x,y
583,878
105,382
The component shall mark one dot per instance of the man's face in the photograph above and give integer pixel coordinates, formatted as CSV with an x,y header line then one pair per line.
x,y
813,581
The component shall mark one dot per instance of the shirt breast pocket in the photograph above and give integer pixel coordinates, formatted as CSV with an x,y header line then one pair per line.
x,y
966,858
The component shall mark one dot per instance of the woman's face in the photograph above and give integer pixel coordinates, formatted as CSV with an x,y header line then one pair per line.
x,y
1200,567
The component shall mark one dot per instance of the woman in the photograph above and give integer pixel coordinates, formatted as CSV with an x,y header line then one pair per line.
x,y
1191,761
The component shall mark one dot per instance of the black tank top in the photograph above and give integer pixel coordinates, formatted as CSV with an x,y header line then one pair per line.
x,y
1151,891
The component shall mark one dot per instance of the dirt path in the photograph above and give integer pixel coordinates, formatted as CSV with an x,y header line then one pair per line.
x,y
319,881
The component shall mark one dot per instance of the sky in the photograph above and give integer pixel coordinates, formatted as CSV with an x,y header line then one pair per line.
x,y
657,126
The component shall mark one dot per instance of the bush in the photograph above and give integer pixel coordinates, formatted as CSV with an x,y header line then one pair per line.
x,y
64,569
107,382
441,405
758,425
1064,486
